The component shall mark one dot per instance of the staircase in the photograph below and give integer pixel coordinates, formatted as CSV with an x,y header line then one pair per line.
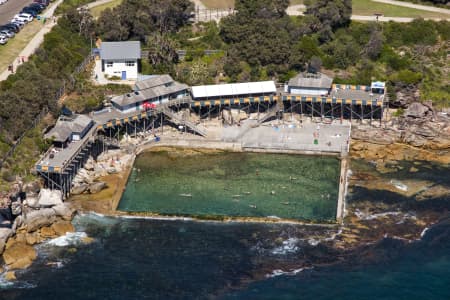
x,y
180,121
271,112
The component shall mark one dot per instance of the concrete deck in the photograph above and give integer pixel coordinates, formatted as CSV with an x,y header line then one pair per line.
x,y
331,138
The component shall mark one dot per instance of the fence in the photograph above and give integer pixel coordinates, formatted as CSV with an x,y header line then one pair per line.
x,y
59,93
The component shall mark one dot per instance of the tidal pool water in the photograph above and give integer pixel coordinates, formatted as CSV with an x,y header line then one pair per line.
x,y
234,184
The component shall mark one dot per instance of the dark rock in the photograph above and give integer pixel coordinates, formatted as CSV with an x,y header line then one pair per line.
x,y
79,189
418,110
96,187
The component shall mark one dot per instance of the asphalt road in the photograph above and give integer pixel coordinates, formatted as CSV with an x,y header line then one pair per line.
x,y
10,8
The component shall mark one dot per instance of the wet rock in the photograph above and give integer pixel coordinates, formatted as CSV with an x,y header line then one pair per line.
x,y
61,228
96,187
39,218
5,233
48,198
65,211
79,189
10,276
19,256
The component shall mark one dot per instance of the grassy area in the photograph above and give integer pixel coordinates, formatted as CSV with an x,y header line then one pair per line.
x,y
368,7
97,10
221,4
360,7
11,50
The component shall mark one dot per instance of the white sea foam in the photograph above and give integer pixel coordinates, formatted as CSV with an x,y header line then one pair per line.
x,y
70,238
6,284
313,242
289,246
424,232
156,218
279,272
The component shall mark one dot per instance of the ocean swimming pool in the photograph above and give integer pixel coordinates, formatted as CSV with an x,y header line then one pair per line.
x,y
212,185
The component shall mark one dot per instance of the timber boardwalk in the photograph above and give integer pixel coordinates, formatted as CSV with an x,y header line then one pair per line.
x,y
315,120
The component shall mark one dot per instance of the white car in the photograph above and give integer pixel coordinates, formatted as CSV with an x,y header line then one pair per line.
x,y
3,40
3,1
23,17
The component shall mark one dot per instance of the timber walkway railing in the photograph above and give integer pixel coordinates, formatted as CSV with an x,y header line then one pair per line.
x,y
174,117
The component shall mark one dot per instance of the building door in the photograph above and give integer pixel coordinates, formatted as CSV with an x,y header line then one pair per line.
x,y
124,75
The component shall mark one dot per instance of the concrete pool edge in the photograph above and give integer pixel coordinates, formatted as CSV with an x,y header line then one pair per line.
x,y
232,147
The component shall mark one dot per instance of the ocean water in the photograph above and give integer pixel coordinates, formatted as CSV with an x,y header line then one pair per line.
x,y
160,259
132,258
234,184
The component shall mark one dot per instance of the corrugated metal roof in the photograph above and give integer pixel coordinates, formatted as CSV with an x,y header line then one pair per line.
x,y
148,94
153,81
65,126
307,80
234,89
120,50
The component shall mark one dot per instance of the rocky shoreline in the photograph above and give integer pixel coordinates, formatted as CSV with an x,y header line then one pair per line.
x,y
38,215
420,136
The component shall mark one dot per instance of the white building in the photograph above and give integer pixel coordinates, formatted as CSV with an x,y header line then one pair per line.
x,y
234,90
309,84
120,59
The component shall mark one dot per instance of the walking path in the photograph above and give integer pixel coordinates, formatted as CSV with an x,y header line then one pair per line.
x,y
37,39
416,6
96,3
297,10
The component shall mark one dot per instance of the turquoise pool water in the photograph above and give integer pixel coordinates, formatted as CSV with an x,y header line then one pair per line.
x,y
233,184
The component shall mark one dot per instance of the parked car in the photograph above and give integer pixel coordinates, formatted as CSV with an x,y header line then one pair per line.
x,y
18,22
39,7
23,17
11,26
3,1
8,33
44,2
3,40
31,11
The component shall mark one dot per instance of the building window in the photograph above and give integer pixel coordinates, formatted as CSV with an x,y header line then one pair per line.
x,y
109,64
129,63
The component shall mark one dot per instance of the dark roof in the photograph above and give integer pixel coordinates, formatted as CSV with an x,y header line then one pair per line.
x,y
309,80
65,126
153,81
148,94
120,50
